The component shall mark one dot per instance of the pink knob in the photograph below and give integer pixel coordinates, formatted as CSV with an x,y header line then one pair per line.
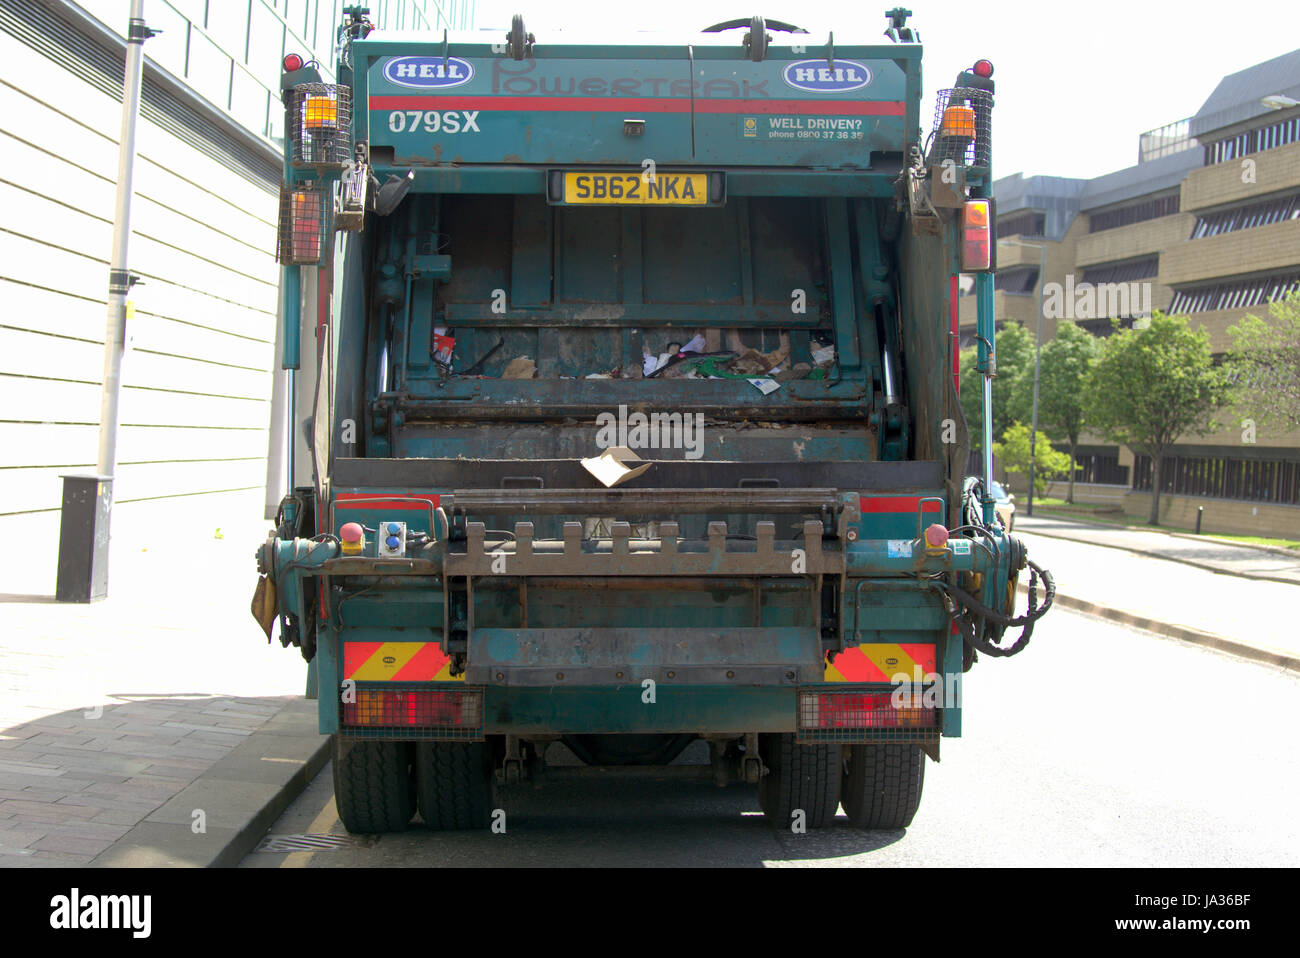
x,y
936,536
351,532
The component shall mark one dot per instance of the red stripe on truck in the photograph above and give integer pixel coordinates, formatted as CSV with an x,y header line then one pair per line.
x,y
897,504
625,104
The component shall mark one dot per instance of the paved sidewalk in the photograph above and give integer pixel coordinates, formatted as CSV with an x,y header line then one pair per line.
x,y
109,711
1209,554
1199,603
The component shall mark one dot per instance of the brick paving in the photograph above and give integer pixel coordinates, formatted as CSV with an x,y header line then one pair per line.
x,y
109,710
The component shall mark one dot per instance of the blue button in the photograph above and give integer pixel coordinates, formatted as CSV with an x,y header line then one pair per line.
x,y
394,528
393,543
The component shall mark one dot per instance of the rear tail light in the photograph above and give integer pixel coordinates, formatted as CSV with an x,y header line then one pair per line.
x,y
415,708
851,710
976,237
303,222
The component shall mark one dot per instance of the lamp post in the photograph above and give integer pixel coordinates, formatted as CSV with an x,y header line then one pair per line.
x,y
1038,351
88,500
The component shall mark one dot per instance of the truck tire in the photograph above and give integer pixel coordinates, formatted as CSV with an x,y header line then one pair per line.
x,y
374,786
882,785
800,777
454,784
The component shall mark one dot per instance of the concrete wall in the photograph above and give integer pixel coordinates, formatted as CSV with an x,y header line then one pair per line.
x,y
1261,249
1139,239
1230,516
1274,170
1089,492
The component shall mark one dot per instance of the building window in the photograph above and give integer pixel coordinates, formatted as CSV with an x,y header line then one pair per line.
x,y
1248,217
1139,212
1101,468
1223,477
1232,295
1019,281
1252,141
1023,224
1129,272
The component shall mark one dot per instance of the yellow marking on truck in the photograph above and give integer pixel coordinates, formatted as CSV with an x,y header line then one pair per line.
x,y
637,189
881,662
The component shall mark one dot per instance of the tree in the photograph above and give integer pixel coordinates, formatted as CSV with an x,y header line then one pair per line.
x,y
1013,450
1066,363
1265,364
1012,387
1149,387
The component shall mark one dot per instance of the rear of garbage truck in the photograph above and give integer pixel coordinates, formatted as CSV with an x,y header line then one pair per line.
x,y
636,417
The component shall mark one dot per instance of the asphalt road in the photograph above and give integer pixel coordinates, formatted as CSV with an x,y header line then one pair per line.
x,y
1098,746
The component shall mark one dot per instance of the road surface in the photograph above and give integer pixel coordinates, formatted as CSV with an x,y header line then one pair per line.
x,y
1100,745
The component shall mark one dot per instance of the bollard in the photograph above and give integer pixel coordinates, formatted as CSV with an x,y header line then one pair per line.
x,y
83,539
1199,511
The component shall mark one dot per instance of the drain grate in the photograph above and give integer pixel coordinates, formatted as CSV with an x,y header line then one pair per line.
x,y
310,843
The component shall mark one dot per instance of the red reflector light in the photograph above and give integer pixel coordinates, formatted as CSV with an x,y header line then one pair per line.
x,y
292,62
860,710
983,68
976,236
307,217
415,708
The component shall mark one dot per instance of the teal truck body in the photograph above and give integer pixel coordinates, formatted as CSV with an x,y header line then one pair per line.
x,y
636,417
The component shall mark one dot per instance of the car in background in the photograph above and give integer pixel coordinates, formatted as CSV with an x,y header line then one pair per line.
x,y
1004,504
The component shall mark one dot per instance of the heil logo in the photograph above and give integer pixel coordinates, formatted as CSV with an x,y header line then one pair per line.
x,y
816,76
429,72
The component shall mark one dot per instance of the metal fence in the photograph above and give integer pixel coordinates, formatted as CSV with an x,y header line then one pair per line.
x,y
1223,477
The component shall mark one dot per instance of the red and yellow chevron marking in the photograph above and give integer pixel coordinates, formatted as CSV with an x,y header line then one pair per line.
x,y
882,662
397,662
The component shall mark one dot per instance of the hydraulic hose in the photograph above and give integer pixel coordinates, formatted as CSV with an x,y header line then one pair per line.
x,y
973,617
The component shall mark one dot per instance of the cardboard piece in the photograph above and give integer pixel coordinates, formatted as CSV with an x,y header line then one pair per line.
x,y
616,465
520,368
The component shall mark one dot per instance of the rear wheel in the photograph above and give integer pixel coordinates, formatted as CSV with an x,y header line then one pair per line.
x,y
800,777
374,786
882,785
454,784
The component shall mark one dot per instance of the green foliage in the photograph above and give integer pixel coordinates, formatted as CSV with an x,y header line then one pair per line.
x,y
1151,386
1064,368
1265,364
1013,452
1013,387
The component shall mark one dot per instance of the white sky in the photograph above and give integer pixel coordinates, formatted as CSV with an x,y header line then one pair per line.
x,y
1076,83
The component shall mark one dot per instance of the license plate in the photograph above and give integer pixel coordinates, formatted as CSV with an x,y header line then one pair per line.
x,y
637,189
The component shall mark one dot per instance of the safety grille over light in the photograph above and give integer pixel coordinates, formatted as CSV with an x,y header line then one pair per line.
x,y
865,715
304,225
963,131
413,713
318,124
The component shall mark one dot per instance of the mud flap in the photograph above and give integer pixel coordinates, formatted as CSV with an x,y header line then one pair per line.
x,y
264,606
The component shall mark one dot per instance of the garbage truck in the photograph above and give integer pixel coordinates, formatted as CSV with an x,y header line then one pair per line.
x,y
635,420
